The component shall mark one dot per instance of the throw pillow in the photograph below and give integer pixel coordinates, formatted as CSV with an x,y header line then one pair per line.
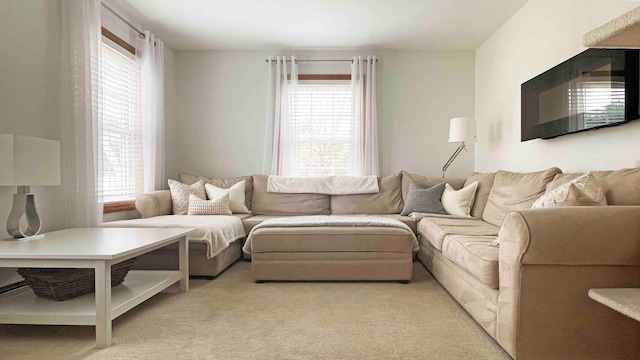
x,y
424,200
236,196
223,183
180,195
219,206
584,190
459,202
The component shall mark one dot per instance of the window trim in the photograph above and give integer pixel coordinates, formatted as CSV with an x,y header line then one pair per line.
x,y
323,77
119,206
116,39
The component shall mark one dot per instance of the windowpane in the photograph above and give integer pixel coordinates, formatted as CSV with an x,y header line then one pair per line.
x,y
322,131
121,171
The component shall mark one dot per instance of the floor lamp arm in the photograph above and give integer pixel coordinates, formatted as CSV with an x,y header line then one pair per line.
x,y
453,157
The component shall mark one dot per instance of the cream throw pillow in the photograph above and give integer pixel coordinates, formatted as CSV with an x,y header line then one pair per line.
x,y
219,206
236,196
180,195
584,190
459,202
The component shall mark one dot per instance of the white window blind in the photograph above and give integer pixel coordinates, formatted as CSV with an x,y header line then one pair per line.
x,y
322,131
121,173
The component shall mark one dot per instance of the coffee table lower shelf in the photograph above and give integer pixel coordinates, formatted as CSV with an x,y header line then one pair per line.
x,y
140,285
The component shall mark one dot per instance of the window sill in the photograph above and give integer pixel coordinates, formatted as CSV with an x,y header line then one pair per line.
x,y
119,206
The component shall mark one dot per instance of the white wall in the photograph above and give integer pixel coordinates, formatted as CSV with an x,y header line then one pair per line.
x,y
219,131
30,102
539,36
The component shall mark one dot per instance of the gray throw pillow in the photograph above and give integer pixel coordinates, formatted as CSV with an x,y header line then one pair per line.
x,y
424,200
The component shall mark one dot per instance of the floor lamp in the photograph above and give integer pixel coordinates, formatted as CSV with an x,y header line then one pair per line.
x,y
24,162
462,130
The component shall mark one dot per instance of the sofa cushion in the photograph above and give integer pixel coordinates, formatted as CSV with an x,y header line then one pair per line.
x,y
332,239
435,229
485,183
475,255
621,187
217,231
223,183
251,221
266,203
407,220
427,182
387,201
515,191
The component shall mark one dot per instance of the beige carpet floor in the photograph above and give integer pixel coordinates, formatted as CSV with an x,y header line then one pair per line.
x,y
232,317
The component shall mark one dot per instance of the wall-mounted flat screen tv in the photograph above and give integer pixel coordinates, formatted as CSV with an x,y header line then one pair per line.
x,y
594,89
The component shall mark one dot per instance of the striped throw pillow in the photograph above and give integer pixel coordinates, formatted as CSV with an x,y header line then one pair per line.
x,y
219,206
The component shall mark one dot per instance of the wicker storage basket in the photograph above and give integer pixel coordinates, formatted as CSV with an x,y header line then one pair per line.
x,y
65,284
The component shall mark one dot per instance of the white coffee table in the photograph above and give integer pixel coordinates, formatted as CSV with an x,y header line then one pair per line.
x,y
96,248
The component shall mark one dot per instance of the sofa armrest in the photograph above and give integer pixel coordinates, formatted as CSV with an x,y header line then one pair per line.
x,y
155,203
597,235
549,258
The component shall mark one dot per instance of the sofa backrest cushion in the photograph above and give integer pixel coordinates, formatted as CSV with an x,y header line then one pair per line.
x,y
223,183
266,203
427,182
387,201
485,183
621,187
515,191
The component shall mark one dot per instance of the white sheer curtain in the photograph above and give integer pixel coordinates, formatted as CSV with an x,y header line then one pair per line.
x,y
363,82
151,52
82,100
278,99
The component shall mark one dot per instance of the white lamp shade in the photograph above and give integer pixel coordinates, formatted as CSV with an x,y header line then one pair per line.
x,y
462,129
27,161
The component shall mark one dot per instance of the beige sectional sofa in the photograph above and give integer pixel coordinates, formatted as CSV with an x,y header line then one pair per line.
x,y
529,293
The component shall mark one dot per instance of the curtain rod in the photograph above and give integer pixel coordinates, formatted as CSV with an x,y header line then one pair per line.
x,y
140,33
336,60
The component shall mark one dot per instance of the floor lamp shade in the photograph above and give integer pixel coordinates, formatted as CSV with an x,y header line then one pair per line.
x,y
27,161
462,129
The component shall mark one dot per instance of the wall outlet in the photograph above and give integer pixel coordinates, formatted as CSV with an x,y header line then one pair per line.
x,y
636,163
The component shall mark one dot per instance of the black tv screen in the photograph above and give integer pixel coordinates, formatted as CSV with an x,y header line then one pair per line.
x,y
594,89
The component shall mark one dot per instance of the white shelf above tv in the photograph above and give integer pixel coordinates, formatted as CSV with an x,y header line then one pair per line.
x,y
621,32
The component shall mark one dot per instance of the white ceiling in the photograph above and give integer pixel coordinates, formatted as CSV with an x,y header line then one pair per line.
x,y
325,24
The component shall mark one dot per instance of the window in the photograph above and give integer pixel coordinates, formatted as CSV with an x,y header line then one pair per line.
x,y
121,174
322,131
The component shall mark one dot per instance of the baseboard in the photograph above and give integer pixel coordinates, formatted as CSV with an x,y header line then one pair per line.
x,y
12,287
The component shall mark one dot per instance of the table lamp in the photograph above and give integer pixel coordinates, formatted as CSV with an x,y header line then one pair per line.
x,y
24,162
462,130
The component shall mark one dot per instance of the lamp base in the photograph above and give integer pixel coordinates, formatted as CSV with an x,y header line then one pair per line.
x,y
27,238
24,205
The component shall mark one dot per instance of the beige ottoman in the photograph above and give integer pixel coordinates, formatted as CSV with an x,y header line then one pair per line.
x,y
332,253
